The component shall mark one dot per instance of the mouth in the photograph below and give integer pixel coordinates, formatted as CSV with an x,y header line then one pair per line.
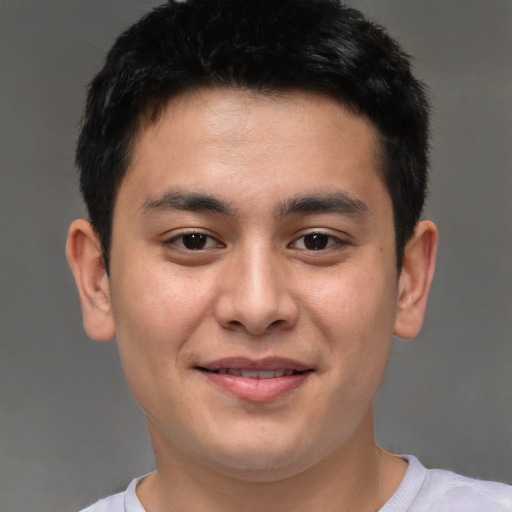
x,y
256,381
254,374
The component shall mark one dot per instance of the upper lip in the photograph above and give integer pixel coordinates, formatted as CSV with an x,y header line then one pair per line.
x,y
244,363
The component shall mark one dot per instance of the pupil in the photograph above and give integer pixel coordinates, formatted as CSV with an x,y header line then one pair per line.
x,y
194,241
316,241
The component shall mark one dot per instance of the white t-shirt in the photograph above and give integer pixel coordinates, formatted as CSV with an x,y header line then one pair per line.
x,y
421,490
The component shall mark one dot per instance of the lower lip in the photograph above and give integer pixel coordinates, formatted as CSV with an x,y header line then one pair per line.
x,y
257,390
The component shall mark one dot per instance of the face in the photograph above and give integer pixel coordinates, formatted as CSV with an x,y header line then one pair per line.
x,y
253,280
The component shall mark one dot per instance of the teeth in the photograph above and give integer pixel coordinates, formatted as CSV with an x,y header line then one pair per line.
x,y
255,374
250,374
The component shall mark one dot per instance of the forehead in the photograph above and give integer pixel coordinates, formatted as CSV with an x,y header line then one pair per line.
x,y
231,113
253,141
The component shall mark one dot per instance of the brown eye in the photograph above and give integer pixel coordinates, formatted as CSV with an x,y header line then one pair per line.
x,y
316,241
194,241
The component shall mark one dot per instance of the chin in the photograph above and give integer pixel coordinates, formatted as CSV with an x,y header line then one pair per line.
x,y
258,467
263,461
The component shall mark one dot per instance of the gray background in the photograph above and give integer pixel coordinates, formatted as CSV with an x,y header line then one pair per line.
x,y
69,430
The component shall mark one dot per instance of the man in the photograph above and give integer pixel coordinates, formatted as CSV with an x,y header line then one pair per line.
x,y
255,173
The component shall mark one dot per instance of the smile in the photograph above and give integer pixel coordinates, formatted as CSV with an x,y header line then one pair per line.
x,y
255,374
256,381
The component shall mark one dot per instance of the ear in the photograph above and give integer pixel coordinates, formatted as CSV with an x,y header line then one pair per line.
x,y
85,257
415,278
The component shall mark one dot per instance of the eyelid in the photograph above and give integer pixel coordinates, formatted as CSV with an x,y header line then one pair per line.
x,y
339,240
171,240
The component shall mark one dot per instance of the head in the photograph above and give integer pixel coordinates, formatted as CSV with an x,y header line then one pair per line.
x,y
318,46
254,172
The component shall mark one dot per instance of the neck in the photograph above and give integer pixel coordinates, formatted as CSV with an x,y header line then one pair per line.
x,y
356,476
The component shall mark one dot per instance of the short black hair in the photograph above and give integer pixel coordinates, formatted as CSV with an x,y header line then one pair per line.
x,y
320,46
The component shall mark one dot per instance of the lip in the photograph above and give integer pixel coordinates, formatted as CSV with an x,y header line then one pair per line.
x,y
256,389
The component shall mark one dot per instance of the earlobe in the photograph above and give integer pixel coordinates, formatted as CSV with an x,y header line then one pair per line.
x,y
415,279
85,257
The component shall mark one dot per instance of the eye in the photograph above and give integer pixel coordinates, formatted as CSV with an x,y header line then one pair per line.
x,y
315,242
194,241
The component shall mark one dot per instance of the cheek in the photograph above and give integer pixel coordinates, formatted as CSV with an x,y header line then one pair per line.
x,y
156,310
355,311
354,303
157,313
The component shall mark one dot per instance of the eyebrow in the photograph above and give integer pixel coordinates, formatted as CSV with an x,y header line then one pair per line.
x,y
337,202
193,202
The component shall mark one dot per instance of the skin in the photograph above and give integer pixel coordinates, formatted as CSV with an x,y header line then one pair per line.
x,y
255,289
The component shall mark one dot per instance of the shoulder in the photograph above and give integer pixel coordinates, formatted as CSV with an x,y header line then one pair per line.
x,y
455,492
113,503
126,501
437,490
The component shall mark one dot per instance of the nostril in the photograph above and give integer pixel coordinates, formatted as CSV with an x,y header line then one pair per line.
x,y
253,313
257,329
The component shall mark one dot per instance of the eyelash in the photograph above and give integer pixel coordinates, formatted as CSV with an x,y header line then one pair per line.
x,y
175,241
331,241
321,237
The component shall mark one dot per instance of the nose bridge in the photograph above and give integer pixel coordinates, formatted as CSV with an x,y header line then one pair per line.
x,y
256,296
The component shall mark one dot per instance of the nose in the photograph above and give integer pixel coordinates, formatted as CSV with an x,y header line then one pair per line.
x,y
256,294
